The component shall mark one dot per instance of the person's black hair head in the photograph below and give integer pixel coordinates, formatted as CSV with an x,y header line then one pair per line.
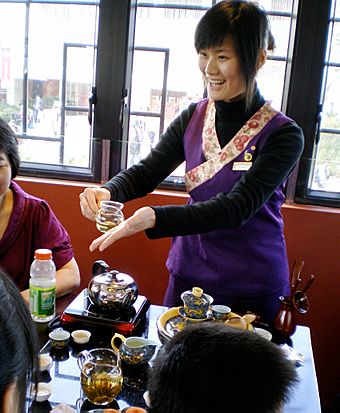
x,y
248,27
9,146
211,367
19,343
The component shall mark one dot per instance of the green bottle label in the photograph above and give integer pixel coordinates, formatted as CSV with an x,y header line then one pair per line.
x,y
42,301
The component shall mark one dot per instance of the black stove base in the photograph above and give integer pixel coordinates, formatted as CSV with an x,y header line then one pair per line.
x,y
83,313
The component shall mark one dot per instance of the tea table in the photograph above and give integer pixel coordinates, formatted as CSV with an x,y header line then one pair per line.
x,y
64,373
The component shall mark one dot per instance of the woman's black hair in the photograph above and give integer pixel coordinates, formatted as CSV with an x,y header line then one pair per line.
x,y
248,27
9,145
19,344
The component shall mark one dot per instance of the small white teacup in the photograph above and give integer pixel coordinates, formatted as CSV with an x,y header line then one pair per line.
x,y
263,333
81,336
42,393
45,362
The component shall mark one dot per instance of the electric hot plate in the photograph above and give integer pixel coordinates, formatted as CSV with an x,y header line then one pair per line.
x,y
83,312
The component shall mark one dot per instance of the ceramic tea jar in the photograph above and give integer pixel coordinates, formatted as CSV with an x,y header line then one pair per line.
x,y
196,304
285,322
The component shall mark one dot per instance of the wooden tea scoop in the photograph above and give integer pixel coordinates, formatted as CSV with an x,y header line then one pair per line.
x,y
298,266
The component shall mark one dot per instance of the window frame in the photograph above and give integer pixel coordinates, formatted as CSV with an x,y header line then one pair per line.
x,y
302,98
112,91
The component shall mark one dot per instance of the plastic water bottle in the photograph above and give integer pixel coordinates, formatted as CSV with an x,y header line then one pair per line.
x,y
42,286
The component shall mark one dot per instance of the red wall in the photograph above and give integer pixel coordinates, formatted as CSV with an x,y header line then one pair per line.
x,y
312,235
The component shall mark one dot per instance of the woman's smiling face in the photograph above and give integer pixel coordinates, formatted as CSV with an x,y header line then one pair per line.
x,y
221,72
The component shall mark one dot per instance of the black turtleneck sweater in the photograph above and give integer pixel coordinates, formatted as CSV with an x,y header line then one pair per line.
x,y
226,210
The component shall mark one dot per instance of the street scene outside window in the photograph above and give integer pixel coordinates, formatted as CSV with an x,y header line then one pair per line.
x,y
44,97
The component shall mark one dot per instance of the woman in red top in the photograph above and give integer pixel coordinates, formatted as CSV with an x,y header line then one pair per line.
x,y
28,223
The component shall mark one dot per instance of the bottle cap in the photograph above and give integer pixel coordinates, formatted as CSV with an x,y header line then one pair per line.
x,y
43,254
197,292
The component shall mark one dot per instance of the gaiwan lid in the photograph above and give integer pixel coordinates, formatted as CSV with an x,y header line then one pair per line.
x,y
197,291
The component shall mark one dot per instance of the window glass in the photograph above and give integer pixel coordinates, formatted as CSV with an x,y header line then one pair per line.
x,y
271,77
325,173
147,80
12,62
50,104
335,47
175,34
146,97
196,3
175,31
337,10
276,5
143,135
272,89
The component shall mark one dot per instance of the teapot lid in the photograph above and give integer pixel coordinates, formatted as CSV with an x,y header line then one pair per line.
x,y
115,279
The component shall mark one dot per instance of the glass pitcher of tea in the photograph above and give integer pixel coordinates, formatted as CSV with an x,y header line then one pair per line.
x,y
101,375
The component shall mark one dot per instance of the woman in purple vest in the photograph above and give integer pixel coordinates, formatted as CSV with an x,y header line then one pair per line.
x,y
239,151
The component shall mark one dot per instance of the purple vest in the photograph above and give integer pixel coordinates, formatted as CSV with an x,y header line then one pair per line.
x,y
247,261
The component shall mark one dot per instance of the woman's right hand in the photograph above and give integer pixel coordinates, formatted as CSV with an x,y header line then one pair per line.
x,y
90,200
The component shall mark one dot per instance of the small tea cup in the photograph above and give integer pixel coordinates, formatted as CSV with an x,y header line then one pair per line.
x,y
42,393
220,312
263,333
109,215
59,338
45,362
81,336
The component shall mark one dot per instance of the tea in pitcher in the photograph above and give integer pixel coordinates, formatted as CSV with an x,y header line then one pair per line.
x,y
101,383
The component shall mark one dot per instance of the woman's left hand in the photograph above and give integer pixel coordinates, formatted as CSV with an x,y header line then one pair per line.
x,y
141,220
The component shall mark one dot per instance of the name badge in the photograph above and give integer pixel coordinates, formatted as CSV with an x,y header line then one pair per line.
x,y
241,166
